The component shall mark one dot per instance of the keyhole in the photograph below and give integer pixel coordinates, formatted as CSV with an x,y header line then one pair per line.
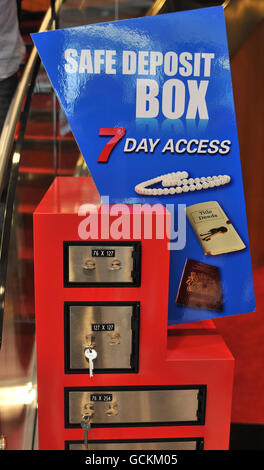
x,y
112,410
89,265
115,265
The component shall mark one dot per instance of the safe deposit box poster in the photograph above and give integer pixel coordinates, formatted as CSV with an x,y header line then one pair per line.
x,y
150,103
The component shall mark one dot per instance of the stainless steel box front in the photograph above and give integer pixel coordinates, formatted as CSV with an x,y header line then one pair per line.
x,y
102,264
135,406
111,328
155,444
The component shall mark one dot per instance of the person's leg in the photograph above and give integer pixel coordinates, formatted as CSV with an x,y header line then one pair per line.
x,y
7,89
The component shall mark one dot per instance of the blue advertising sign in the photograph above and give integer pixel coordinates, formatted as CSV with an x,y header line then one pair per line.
x,y
150,103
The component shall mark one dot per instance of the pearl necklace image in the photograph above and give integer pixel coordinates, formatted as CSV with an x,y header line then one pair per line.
x,y
178,182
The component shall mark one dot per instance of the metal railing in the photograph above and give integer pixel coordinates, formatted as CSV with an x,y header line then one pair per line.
x,y
13,115
10,150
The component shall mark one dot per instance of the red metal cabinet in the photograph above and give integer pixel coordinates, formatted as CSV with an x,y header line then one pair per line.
x,y
152,368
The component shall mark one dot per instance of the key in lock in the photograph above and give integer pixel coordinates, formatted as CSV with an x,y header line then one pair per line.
x,y
86,426
90,341
88,410
90,355
87,415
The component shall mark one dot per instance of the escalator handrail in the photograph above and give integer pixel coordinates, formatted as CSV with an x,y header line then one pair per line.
x,y
10,152
158,5
9,128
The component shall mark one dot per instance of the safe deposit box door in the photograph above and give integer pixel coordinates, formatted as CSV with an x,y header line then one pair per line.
x,y
111,328
153,444
108,264
136,406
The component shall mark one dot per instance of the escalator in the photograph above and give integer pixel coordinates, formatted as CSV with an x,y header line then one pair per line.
x,y
37,145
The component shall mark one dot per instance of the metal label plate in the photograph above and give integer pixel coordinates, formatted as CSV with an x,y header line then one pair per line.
x,y
153,444
111,328
104,264
137,406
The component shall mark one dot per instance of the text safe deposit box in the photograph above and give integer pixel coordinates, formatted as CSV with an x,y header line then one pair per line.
x,y
110,373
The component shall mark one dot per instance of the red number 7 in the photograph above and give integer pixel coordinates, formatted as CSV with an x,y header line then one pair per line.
x,y
117,133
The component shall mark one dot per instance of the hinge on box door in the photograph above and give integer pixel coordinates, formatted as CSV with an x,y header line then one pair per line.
x,y
136,271
135,337
201,404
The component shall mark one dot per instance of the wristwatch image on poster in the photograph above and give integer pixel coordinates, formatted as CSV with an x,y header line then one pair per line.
x,y
150,103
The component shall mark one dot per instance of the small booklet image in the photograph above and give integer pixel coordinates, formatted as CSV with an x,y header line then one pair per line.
x,y
200,286
214,230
